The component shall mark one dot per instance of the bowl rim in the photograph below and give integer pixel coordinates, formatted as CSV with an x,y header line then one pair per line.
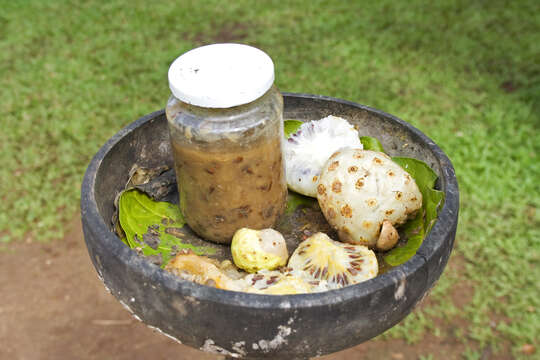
x,y
442,229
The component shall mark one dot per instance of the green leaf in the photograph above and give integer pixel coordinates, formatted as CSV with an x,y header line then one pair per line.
x,y
291,126
424,176
414,230
435,200
141,217
294,200
370,143
432,200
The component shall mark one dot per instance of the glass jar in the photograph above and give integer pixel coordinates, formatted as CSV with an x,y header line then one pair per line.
x,y
226,134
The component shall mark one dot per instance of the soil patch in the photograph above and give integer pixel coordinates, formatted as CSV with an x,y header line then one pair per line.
x,y
54,307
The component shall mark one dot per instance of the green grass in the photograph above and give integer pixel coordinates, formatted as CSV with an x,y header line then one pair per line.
x,y
467,74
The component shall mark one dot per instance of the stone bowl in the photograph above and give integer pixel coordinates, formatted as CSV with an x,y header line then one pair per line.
x,y
242,325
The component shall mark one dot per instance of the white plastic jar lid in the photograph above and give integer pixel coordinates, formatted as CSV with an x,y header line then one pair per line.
x,y
221,75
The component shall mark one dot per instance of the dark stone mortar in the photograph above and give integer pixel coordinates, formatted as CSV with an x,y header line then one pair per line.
x,y
249,325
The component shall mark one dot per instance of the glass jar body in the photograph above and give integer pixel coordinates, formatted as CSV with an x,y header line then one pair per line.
x,y
229,164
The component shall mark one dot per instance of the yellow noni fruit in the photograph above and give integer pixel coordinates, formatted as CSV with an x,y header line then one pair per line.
x,y
254,250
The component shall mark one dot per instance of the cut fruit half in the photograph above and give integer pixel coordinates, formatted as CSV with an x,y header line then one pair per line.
x,y
308,149
320,258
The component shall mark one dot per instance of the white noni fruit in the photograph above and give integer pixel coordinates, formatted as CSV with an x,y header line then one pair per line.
x,y
307,150
359,191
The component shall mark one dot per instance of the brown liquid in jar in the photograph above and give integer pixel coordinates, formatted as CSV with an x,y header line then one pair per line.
x,y
221,192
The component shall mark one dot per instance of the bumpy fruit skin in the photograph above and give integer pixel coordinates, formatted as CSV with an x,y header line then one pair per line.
x,y
359,189
254,250
309,147
332,264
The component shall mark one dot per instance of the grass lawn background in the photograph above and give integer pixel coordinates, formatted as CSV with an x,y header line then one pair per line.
x,y
466,74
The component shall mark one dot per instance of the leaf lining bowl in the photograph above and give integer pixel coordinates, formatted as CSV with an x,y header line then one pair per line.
x,y
246,325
